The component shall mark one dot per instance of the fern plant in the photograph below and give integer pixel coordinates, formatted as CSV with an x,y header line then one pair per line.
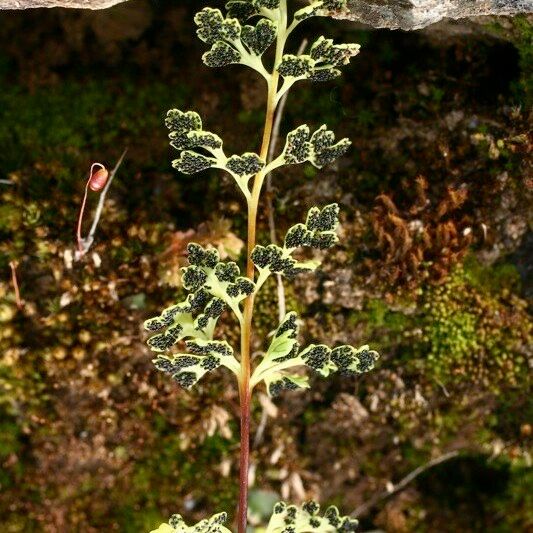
x,y
243,36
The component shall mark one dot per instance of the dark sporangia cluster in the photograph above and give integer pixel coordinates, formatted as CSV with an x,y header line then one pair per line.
x,y
321,8
316,357
292,66
283,354
230,42
327,56
344,359
244,9
297,147
220,55
212,27
318,230
213,285
182,368
289,326
179,320
188,369
241,287
186,135
283,384
320,148
324,150
164,341
351,361
325,219
220,348
216,277
244,166
284,345
212,311
290,518
193,278
277,260
259,37
186,131
321,63
202,257
167,317
176,524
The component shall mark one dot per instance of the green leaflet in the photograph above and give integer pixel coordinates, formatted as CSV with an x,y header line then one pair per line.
x,y
244,9
200,149
284,354
285,518
319,148
206,356
284,344
176,524
179,323
214,285
232,43
306,519
321,8
221,280
276,382
319,231
273,259
323,60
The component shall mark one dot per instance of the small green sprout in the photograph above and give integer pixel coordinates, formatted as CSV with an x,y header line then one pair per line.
x,y
176,524
285,519
184,334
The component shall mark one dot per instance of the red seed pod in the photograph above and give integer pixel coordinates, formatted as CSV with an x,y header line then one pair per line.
x,y
98,179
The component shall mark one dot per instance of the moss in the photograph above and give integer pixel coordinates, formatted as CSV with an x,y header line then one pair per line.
x,y
266,314
516,504
521,34
43,125
168,470
491,279
385,326
476,334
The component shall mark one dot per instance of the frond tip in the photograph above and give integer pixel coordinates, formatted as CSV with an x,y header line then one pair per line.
x,y
306,519
231,42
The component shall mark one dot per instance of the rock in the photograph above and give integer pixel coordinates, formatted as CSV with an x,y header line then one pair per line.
x,y
416,14
82,4
393,14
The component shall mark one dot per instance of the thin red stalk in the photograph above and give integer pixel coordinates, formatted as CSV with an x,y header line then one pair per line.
x,y
18,300
246,333
244,463
80,219
81,248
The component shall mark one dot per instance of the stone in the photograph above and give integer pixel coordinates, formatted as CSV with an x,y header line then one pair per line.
x,y
392,14
81,4
417,14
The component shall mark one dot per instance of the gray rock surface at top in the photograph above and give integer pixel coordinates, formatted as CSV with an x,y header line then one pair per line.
x,y
416,14
393,14
82,4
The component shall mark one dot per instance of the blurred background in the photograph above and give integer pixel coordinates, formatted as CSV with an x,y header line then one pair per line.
x,y
433,269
